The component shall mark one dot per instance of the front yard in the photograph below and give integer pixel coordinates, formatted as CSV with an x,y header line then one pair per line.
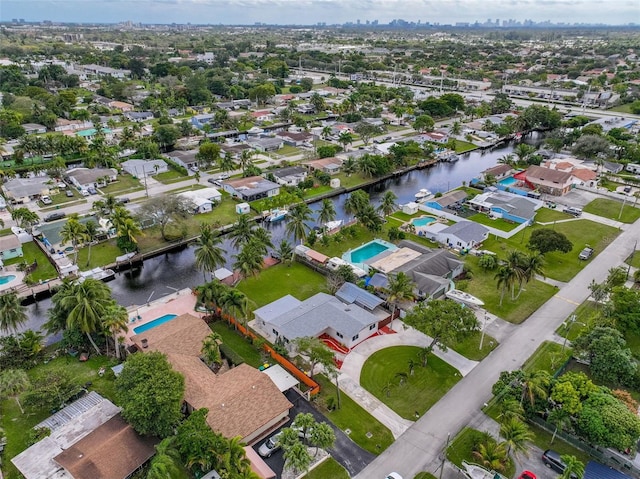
x,y
387,375
614,210
124,183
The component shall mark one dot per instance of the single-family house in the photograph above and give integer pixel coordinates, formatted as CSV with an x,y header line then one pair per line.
x,y
88,439
83,178
450,200
10,247
186,159
266,143
206,57
241,401
306,109
290,176
611,167
548,181
138,116
101,71
143,168
288,318
251,188
585,176
23,190
90,133
498,172
33,128
463,235
203,200
329,165
62,124
199,121
295,139
234,149
508,206
124,107
262,116
436,136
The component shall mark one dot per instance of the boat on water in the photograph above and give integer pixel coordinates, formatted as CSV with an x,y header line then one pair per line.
x,y
423,195
332,225
461,296
97,273
474,471
449,157
277,215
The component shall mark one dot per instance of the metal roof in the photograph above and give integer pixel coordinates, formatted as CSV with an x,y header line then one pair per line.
x,y
350,293
595,470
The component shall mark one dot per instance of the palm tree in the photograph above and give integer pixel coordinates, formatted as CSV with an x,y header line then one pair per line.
x,y
235,301
531,265
456,128
285,251
90,232
128,230
86,303
14,382
241,232
559,417
246,159
326,132
298,227
506,160
506,277
12,313
349,166
345,139
516,435
297,457
534,385
399,288
211,294
115,322
164,465
232,458
249,261
491,454
515,261
211,351
209,255
510,408
73,232
388,204
225,163
262,238
573,467
327,212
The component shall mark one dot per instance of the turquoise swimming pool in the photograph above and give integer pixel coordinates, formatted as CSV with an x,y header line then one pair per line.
x,y
152,324
424,221
7,279
508,181
358,256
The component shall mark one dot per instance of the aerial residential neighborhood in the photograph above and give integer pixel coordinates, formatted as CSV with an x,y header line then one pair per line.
x,y
276,240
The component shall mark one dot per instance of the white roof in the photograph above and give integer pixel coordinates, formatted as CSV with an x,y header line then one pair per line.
x,y
222,273
281,377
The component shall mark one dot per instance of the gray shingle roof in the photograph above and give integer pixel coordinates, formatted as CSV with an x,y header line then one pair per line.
x,y
277,308
514,204
466,231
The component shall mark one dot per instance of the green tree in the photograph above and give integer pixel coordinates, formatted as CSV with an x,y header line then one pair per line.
x,y
507,278
249,260
327,211
400,288
573,467
150,394
316,351
242,231
12,313
546,240
285,252
208,254
211,351
534,384
531,264
298,224
297,457
423,123
13,382
115,321
165,463
166,136
208,154
165,210
90,233
24,217
345,138
322,436
367,131
609,358
516,435
491,454
73,232
388,203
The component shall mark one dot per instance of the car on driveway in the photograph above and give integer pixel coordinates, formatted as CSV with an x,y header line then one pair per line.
x,y
46,200
570,210
553,461
393,475
58,215
270,446
69,193
527,475
92,190
214,181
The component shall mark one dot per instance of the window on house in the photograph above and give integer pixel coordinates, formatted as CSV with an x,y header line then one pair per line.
x,y
371,327
339,335
355,337
275,332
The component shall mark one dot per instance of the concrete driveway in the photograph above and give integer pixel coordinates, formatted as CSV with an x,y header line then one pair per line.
x,y
351,456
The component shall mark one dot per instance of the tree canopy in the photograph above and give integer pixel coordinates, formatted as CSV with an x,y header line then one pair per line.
x,y
546,240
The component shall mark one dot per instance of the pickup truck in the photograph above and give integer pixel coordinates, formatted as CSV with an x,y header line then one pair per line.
x,y
586,253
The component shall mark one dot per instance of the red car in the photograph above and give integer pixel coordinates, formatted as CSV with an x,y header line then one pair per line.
x,y
527,475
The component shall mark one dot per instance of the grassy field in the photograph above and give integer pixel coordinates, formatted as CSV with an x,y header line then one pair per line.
x,y
484,286
470,347
463,146
101,254
288,150
16,425
560,266
547,215
611,209
171,176
279,280
626,108
549,356
351,416
498,223
122,184
419,392
62,198
461,449
45,270
584,314
329,469
238,343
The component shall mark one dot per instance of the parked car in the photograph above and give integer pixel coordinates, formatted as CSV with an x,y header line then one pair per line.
x,y
214,181
553,461
627,189
570,210
270,446
46,200
393,475
586,253
123,201
84,192
527,475
194,168
92,190
58,215
224,176
69,193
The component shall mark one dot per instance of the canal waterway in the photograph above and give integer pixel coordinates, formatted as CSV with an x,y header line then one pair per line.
x,y
169,272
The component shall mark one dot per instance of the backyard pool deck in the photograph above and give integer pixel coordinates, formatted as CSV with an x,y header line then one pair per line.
x,y
178,303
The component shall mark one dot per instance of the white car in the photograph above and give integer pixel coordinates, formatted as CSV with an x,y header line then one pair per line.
x,y
46,200
393,475
195,169
270,446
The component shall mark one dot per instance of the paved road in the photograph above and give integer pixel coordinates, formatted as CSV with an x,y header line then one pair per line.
x,y
418,448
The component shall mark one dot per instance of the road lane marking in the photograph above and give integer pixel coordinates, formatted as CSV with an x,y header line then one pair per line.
x,y
567,300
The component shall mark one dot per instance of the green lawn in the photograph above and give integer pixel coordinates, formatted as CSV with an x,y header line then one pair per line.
x,y
611,209
461,449
62,198
16,425
584,314
484,286
634,259
316,191
463,146
122,184
171,176
549,357
45,269
102,254
560,266
282,279
351,416
626,108
498,223
339,244
238,343
329,469
403,217
355,179
470,347
288,150
419,392
547,215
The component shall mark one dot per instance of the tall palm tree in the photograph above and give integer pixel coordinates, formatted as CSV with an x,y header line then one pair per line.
x,y
226,163
491,454
573,467
327,211
90,232
298,226
115,321
515,260
231,457
242,231
209,255
87,303
326,132
249,261
73,232
349,166
506,277
262,238
12,313
235,302
560,418
164,464
14,382
212,294
285,251
246,159
128,230
531,265
388,204
534,385
399,288
516,434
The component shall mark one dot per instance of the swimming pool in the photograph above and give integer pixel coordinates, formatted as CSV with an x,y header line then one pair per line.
x,y
152,324
7,279
508,181
423,221
358,256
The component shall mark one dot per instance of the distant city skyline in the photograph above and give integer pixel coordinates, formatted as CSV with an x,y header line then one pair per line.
x,y
309,12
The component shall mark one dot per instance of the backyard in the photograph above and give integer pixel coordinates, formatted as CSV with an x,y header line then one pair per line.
x,y
613,209
497,223
45,269
102,254
410,392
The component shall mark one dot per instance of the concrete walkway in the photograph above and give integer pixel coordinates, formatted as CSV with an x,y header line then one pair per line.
x,y
591,217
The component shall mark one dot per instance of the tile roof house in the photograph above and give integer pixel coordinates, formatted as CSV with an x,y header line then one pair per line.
x,y
330,165
546,180
241,402
251,188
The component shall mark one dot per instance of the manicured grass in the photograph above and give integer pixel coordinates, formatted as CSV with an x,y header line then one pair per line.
x,y
355,179
498,223
547,215
611,209
462,447
424,475
463,146
341,243
16,425
238,343
483,285
549,357
102,254
584,315
470,346
626,108
316,191
62,198
186,188
404,217
171,176
634,259
419,392
45,270
351,416
123,183
282,279
329,469
288,150
560,266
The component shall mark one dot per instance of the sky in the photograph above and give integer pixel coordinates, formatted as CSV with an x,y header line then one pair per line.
x,y
306,12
